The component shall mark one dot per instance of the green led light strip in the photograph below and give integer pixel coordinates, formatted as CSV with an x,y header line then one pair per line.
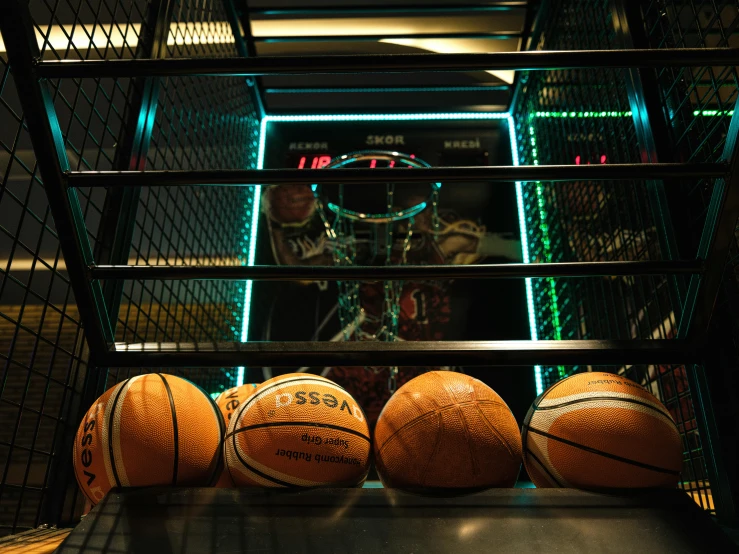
x,y
546,241
581,114
713,112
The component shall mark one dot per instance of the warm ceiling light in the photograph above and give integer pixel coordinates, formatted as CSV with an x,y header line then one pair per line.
x,y
388,26
458,46
112,35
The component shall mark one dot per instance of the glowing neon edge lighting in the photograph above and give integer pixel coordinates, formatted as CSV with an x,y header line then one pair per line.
x,y
383,89
252,244
525,250
389,117
713,112
423,117
581,114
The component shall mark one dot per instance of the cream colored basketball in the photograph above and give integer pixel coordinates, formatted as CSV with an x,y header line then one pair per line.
x,y
298,430
600,431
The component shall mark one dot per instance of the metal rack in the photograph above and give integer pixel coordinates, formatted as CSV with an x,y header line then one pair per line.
x,y
98,275
61,182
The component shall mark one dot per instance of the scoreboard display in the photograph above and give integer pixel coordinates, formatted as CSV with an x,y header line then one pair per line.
x,y
465,309
306,145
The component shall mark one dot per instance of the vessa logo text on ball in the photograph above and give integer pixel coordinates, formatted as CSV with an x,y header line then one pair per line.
x,y
314,399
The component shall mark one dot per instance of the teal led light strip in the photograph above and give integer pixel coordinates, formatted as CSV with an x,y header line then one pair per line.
x,y
388,117
251,257
383,89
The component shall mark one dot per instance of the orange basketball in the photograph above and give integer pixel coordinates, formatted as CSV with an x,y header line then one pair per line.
x,y
229,400
298,430
152,429
600,431
446,430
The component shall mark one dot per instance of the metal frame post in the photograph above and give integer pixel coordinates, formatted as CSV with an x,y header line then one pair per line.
x,y
48,143
119,211
655,141
651,130
241,29
716,240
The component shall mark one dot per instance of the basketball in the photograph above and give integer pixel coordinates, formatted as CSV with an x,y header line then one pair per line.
x,y
290,204
447,431
298,430
600,431
152,429
229,400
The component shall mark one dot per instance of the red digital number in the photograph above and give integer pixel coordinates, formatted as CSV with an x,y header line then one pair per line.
x,y
322,160
578,159
317,162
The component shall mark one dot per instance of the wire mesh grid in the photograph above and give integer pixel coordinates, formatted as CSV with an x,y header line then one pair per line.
x,y
698,104
584,117
41,340
199,124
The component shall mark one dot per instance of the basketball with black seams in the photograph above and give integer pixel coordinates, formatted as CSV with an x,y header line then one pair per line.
x,y
446,432
230,399
600,431
149,430
298,430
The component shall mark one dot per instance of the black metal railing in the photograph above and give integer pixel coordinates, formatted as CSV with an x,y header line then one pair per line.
x,y
58,178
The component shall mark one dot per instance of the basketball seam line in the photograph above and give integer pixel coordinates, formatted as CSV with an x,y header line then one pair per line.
x,y
280,384
436,410
439,432
546,470
612,398
468,441
110,433
299,424
255,470
175,430
604,454
220,462
494,430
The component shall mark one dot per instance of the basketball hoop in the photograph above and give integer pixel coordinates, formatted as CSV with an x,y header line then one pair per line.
x,y
385,245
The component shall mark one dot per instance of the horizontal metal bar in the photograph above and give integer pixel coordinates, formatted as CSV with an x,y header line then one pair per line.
x,y
345,176
391,63
411,353
383,273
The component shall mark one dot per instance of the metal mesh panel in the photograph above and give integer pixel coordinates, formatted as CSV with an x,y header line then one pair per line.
x,y
41,342
200,123
698,101
584,117
698,104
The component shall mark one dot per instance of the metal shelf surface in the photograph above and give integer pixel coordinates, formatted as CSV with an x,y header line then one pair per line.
x,y
381,520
